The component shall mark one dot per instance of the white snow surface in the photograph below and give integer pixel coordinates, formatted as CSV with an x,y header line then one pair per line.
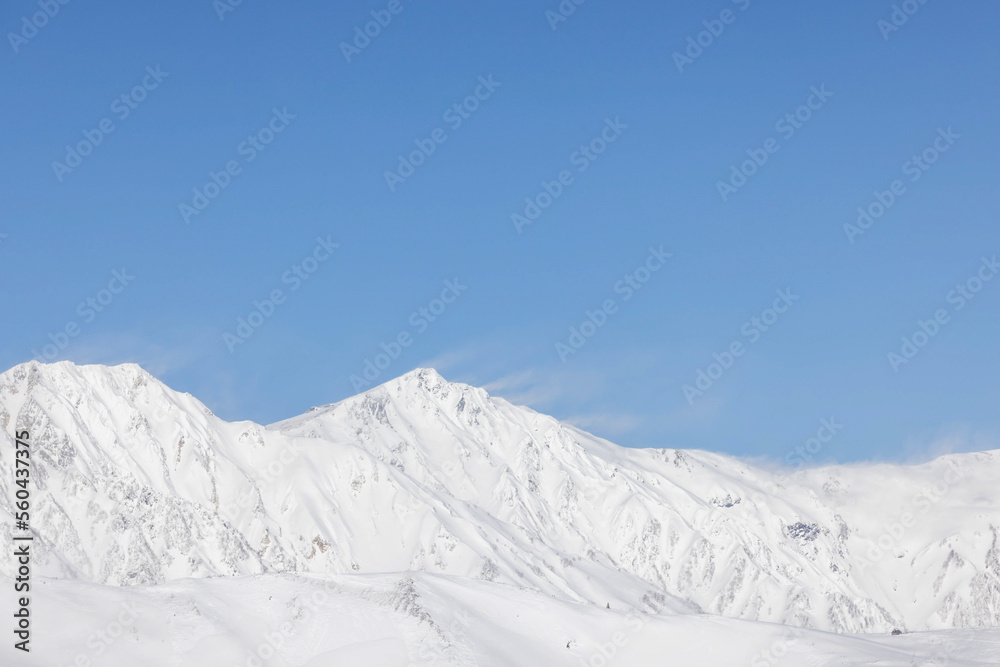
x,y
437,487
424,620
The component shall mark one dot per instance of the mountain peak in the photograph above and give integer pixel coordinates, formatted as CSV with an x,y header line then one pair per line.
x,y
424,381
35,366
60,375
422,376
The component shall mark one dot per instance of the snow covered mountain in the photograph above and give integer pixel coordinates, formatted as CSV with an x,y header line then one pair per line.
x,y
138,484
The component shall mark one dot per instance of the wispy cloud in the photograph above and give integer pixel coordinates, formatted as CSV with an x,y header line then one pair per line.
x,y
544,387
449,360
129,347
954,439
606,423
576,393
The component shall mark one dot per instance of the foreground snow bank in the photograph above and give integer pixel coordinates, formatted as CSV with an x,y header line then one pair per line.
x,y
420,619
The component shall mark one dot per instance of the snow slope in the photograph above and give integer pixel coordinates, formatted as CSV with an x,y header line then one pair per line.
x,y
138,484
421,620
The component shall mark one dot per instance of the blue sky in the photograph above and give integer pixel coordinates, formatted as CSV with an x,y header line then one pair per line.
x,y
623,142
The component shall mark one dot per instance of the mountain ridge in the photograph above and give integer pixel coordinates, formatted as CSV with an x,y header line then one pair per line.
x,y
139,484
